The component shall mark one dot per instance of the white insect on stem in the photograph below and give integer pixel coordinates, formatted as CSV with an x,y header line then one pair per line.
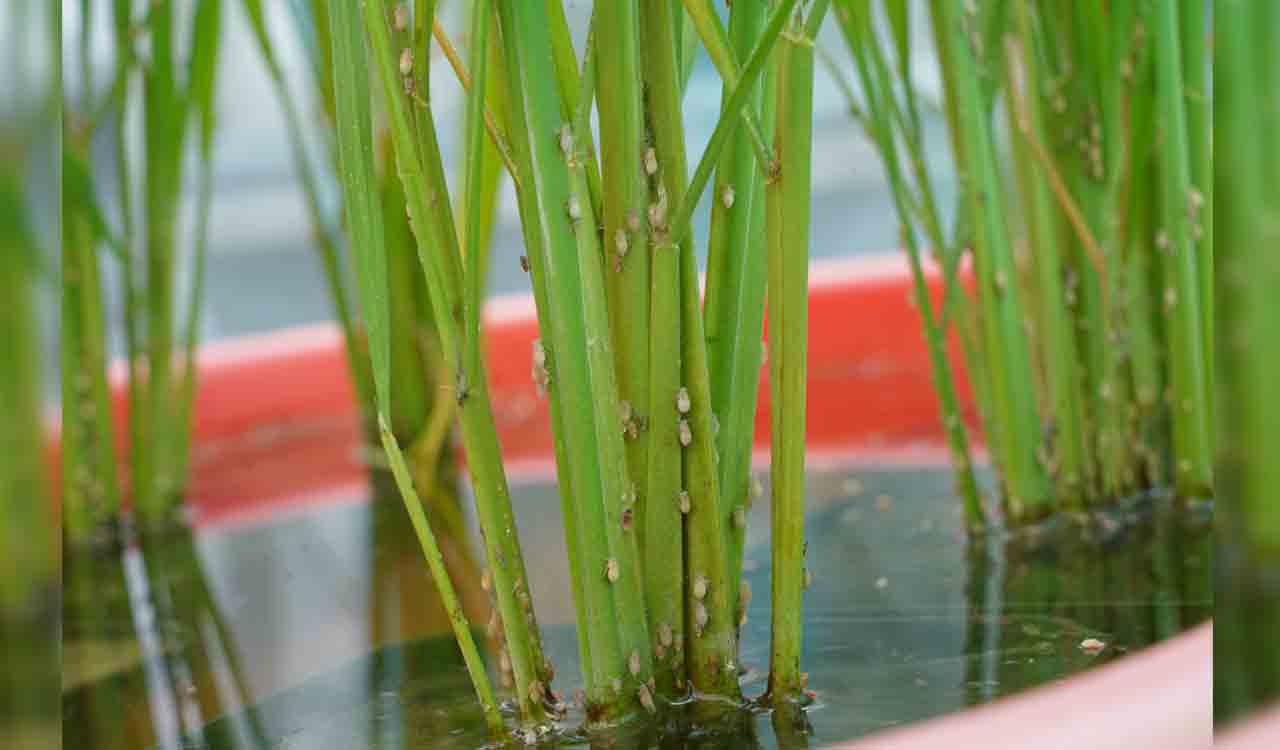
x,y
565,136
700,584
683,403
726,196
686,503
650,161
686,433
658,211
401,17
700,618
1195,201
541,374
630,425
620,243
406,61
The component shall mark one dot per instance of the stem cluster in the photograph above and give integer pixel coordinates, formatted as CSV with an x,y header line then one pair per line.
x,y
651,399
177,101
1086,328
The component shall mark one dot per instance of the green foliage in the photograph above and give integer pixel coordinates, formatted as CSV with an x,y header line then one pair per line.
x,y
1090,274
787,203
23,500
885,111
1247,169
176,95
608,243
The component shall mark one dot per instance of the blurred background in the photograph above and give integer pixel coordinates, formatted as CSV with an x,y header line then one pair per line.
x,y
263,272
29,550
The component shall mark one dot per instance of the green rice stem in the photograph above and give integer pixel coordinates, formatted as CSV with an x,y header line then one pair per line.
x,y
626,255
580,362
787,200
711,644
1014,408
1193,460
444,585
735,293
882,114
422,174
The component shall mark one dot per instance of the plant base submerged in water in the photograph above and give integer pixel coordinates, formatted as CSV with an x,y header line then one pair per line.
x,y
1089,338
930,626
652,492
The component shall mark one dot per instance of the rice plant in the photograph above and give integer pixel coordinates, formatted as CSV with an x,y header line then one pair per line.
x,y
651,398
1087,325
421,415
29,570
22,473
1247,169
175,98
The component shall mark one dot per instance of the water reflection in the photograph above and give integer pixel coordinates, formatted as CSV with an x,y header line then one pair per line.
x,y
166,633
28,661
326,622
148,656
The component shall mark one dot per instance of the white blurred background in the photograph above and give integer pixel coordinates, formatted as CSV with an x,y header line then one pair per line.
x,y
263,273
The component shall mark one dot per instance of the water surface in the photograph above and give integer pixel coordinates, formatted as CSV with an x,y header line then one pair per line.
x,y
320,630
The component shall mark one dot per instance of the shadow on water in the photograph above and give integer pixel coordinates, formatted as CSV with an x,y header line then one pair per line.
x,y
321,630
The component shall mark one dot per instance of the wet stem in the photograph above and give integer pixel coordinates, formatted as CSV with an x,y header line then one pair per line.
x,y
787,200
419,163
590,287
